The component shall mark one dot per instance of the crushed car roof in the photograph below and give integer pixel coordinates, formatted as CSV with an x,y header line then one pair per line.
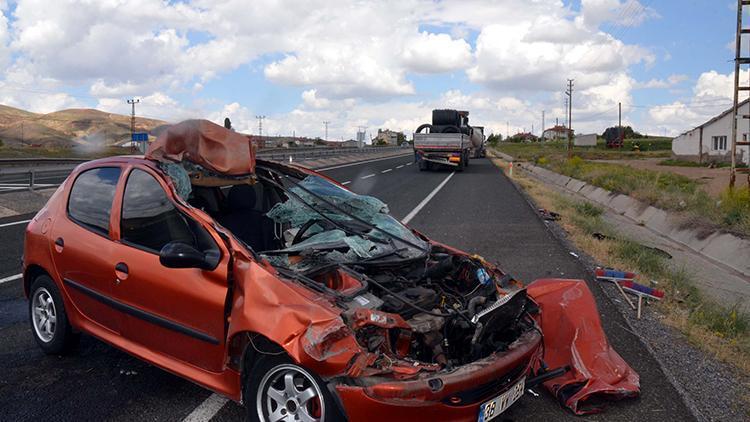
x,y
207,144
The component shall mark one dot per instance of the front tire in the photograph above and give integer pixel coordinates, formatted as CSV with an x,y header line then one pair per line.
x,y
49,322
278,390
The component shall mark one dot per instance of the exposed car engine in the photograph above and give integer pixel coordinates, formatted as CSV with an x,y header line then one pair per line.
x,y
448,310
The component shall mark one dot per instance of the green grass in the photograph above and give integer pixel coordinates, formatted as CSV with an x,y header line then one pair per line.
x,y
683,301
665,190
558,150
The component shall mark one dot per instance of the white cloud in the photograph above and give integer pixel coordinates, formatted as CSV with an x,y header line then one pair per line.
x,y
436,53
669,82
712,94
627,13
356,62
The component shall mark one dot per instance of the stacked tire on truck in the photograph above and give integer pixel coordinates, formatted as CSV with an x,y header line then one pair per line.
x,y
448,141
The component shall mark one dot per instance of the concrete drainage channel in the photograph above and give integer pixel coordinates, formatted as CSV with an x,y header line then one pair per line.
x,y
723,248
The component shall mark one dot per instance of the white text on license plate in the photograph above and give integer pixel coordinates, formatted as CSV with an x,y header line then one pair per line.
x,y
489,410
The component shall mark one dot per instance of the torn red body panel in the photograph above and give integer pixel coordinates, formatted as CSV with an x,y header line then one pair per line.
x,y
574,337
207,144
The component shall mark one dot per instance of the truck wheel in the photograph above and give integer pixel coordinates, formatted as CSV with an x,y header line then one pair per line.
x,y
422,165
277,389
466,162
49,322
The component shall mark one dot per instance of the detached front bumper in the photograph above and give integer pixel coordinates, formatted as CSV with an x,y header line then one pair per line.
x,y
454,395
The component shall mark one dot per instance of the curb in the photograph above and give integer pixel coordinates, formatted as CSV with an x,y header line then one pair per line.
x,y
560,236
722,248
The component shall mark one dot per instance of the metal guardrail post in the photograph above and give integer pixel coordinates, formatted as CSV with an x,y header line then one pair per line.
x,y
31,180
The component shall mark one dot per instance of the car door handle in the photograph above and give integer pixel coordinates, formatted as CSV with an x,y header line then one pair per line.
x,y
60,242
121,267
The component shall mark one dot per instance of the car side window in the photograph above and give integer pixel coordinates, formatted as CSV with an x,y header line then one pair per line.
x,y
90,200
150,220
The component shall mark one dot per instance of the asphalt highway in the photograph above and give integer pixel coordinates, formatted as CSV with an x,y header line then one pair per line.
x,y
478,210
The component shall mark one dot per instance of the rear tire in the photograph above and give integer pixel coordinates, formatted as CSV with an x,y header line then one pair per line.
x,y
49,322
276,388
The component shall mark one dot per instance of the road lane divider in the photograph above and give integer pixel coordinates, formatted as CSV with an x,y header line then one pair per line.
x,y
401,166
408,164
386,170
11,278
368,176
426,200
207,410
358,163
346,183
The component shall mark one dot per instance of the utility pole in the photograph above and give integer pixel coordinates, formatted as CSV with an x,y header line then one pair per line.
x,y
542,125
260,124
619,121
565,116
325,123
738,60
132,102
569,93
507,130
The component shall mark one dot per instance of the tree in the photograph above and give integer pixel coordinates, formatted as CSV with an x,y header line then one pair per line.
x,y
400,138
613,132
493,139
380,143
319,141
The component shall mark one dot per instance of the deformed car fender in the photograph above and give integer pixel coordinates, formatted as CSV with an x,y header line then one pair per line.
x,y
304,323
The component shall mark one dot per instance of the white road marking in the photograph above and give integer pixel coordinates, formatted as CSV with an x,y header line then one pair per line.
x,y
386,171
206,410
369,175
427,199
346,183
401,166
10,278
14,223
358,163
408,164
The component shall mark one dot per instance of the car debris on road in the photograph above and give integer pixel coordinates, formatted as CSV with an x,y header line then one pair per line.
x,y
275,286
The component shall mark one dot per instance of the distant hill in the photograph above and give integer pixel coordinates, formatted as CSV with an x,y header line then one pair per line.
x,y
70,128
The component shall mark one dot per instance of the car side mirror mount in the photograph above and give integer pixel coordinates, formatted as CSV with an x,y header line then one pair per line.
x,y
182,255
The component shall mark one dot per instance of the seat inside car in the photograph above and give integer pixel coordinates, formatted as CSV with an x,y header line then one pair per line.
x,y
246,220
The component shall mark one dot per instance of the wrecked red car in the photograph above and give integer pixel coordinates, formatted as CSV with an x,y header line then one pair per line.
x,y
277,287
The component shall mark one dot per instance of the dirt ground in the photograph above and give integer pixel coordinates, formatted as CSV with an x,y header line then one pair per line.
x,y
714,180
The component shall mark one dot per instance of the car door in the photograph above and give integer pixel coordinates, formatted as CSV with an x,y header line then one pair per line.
x,y
82,249
174,311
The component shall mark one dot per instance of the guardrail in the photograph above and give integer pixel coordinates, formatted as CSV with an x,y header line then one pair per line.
x,y
23,173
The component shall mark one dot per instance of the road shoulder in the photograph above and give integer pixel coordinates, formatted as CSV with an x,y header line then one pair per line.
x,y
710,389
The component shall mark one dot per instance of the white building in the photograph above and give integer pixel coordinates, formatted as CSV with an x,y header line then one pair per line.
x,y
388,136
588,140
555,133
712,139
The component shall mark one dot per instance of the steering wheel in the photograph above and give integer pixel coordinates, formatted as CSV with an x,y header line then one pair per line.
x,y
302,230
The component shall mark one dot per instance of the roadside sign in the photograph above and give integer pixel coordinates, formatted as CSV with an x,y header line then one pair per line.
x,y
139,137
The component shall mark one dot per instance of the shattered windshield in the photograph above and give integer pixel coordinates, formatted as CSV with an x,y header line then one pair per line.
x,y
324,223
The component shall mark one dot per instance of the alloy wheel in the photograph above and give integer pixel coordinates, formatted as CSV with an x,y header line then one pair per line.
x,y
289,393
44,315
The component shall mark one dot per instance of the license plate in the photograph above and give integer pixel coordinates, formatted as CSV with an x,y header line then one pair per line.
x,y
491,409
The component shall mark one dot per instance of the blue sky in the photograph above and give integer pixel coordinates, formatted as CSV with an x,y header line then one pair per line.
x,y
381,64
